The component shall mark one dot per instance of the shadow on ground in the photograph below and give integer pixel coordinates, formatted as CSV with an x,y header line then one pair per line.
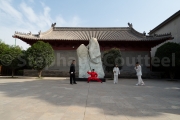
x,y
157,98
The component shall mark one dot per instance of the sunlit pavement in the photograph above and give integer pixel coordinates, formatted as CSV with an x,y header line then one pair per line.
x,y
55,99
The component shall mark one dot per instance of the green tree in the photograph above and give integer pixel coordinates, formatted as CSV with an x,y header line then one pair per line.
x,y
169,55
40,55
111,58
3,47
24,60
10,58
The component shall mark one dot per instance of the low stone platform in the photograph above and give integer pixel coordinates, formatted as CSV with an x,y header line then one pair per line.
x,y
58,73
85,79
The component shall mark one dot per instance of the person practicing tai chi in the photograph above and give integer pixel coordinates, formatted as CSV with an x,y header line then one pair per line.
x,y
72,73
139,74
93,76
116,72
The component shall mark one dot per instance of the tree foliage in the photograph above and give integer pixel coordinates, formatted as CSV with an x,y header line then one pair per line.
x,y
111,58
11,57
40,55
169,51
3,47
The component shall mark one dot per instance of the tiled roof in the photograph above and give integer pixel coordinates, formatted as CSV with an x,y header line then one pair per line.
x,y
86,33
175,15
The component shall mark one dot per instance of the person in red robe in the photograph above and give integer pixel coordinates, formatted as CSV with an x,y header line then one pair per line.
x,y
93,76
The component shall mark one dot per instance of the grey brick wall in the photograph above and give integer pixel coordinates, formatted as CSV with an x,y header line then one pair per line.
x,y
63,59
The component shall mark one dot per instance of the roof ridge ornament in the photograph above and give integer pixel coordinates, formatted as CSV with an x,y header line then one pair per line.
x,y
29,33
53,25
20,33
130,25
39,34
144,33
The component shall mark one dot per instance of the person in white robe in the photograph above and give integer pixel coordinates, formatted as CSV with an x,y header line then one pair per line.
x,y
116,72
139,74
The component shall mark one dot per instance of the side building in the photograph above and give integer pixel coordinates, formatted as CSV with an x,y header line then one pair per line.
x,y
170,25
134,46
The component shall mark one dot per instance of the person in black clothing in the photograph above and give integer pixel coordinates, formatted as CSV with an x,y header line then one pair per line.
x,y
72,73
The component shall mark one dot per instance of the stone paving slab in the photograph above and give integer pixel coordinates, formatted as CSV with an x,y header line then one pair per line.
x,y
55,99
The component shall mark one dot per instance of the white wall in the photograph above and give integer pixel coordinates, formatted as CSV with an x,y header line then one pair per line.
x,y
174,28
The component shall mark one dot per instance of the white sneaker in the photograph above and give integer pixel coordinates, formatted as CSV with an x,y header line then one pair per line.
x,y
142,84
137,84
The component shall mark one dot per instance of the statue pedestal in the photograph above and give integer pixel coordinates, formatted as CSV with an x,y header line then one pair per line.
x,y
85,79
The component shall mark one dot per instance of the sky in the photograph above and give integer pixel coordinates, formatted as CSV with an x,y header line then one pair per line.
x,y
35,15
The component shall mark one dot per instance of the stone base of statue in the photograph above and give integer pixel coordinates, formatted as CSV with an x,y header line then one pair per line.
x,y
85,79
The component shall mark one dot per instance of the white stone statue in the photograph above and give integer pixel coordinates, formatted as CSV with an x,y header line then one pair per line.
x,y
83,59
90,58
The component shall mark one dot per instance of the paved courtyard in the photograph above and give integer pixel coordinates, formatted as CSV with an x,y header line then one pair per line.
x,y
56,99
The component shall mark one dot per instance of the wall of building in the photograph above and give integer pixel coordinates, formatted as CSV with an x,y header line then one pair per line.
x,y
174,28
63,59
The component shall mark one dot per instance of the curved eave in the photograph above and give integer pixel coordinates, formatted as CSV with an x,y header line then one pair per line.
x,y
127,40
